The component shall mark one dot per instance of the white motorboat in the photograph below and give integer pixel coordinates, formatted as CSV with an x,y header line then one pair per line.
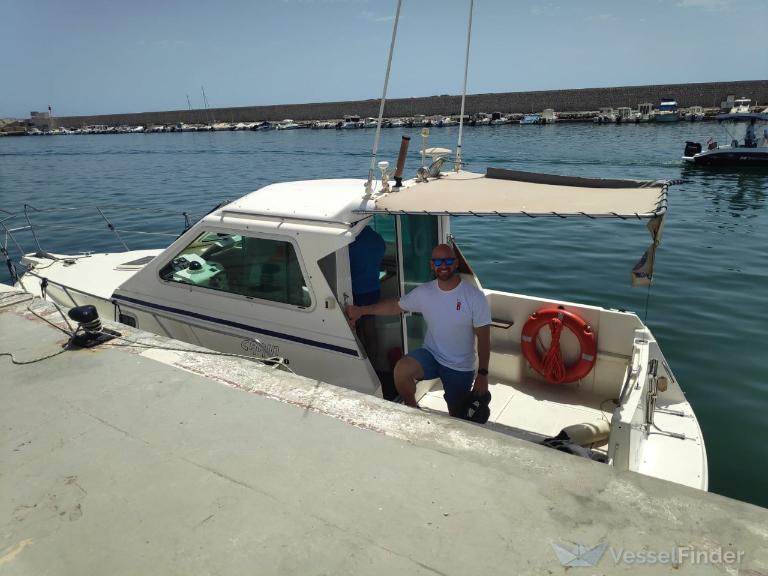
x,y
667,111
269,275
548,116
747,150
351,122
741,106
499,119
605,116
288,124
694,114
531,119
644,112
482,119
625,115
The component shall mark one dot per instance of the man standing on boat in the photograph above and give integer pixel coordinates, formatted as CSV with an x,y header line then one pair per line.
x,y
456,313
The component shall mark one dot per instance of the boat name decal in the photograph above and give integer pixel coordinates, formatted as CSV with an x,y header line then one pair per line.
x,y
257,348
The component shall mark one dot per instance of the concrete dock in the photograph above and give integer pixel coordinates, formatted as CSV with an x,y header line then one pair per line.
x,y
150,456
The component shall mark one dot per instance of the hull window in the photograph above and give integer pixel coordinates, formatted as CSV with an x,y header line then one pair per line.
x,y
128,320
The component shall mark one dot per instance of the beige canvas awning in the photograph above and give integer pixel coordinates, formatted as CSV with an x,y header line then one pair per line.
x,y
510,193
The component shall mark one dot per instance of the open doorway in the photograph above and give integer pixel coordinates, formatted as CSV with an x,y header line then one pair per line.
x,y
408,243
408,240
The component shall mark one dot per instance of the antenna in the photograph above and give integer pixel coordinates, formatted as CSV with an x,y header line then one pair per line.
x,y
369,183
457,165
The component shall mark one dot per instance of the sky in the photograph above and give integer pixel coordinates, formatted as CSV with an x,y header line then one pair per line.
x,y
106,56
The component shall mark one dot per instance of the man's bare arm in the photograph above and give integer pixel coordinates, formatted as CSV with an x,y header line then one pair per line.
x,y
483,334
388,307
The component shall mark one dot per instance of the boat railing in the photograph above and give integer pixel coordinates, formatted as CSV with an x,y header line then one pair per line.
x,y
14,225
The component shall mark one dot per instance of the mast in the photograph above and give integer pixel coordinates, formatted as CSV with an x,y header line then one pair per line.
x,y
457,165
369,183
207,108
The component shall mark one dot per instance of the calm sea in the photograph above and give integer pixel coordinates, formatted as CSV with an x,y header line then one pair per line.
x,y
708,306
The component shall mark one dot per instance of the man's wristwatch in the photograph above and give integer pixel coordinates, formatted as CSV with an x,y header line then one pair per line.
x,y
482,371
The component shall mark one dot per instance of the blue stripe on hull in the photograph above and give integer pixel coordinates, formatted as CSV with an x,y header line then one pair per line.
x,y
238,325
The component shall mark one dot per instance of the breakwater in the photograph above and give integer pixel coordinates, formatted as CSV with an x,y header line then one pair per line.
x,y
709,94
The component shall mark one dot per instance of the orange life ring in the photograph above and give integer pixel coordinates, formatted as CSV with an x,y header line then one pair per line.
x,y
551,364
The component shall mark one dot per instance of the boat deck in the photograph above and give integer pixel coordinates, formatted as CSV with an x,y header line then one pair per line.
x,y
532,410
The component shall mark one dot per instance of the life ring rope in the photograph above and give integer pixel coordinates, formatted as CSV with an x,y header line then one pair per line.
x,y
551,364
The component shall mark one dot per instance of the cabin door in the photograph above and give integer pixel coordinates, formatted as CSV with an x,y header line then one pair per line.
x,y
408,240
417,236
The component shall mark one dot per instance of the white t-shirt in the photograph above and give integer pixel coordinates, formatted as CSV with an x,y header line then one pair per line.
x,y
451,319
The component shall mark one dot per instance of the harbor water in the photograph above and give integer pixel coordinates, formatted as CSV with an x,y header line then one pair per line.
x,y
708,306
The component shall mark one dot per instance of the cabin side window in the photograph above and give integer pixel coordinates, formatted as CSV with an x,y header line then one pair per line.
x,y
260,268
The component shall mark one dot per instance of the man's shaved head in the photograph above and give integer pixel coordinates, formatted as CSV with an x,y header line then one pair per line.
x,y
443,251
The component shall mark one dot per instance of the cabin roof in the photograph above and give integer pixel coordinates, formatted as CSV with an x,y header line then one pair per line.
x,y
498,192
331,200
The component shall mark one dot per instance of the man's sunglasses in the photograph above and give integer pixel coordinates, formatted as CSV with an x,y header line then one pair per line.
x,y
439,261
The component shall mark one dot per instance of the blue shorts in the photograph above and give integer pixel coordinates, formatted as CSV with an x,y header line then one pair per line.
x,y
456,383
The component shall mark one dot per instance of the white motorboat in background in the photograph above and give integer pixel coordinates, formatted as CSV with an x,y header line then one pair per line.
x,y
499,119
741,106
288,124
667,112
605,116
625,115
548,116
351,122
531,119
645,112
694,114
482,119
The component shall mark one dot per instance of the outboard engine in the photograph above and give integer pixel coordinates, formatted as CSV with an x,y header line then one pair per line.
x,y
691,149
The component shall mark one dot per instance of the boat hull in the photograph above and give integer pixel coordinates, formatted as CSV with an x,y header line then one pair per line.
x,y
733,157
667,118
